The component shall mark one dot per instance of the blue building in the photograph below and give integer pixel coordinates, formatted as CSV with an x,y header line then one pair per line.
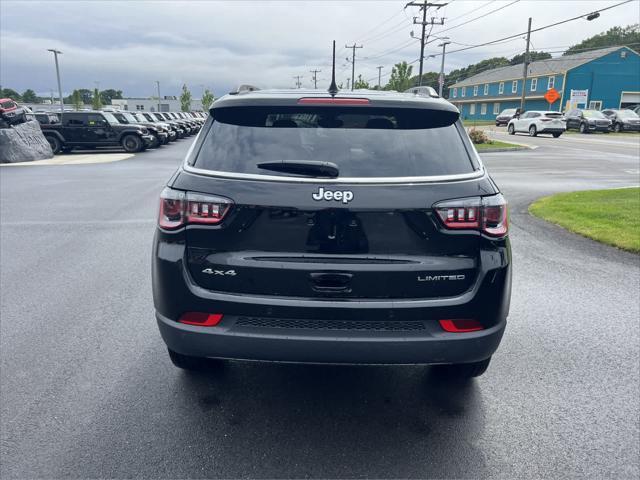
x,y
604,78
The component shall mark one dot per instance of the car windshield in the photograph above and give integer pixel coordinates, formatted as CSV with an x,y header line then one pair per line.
x,y
509,111
109,117
378,143
627,114
593,114
130,118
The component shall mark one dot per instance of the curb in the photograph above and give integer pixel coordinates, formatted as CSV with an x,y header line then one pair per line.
x,y
506,149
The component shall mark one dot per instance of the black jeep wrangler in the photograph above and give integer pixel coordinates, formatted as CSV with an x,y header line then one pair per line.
x,y
95,129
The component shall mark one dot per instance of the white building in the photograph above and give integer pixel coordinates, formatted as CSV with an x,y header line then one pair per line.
x,y
145,104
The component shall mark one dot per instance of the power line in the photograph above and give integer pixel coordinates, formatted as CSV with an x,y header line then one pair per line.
x,y
366,35
424,6
476,18
470,11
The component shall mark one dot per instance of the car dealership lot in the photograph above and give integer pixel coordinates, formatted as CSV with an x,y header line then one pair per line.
x,y
88,390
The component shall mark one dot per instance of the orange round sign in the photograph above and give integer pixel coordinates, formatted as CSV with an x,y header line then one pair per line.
x,y
552,95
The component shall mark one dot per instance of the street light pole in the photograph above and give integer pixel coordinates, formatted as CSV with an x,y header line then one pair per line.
x,y
55,56
379,67
441,77
158,86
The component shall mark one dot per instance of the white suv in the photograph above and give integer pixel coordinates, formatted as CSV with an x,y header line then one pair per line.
x,y
538,121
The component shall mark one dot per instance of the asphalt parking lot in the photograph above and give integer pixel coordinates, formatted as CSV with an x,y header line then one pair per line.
x,y
88,390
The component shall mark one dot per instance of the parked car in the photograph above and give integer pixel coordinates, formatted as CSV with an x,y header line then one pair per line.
x,y
332,229
505,116
160,135
11,113
145,119
47,118
587,120
95,129
535,122
623,120
180,129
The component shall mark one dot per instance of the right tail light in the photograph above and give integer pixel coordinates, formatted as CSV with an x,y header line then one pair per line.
x,y
178,208
486,214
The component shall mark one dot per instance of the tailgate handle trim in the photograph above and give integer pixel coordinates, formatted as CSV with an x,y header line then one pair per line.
x,y
331,282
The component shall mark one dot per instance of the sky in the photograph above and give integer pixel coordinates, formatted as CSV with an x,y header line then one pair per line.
x,y
128,45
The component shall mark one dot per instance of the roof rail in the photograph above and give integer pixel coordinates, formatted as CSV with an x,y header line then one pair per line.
x,y
244,88
423,90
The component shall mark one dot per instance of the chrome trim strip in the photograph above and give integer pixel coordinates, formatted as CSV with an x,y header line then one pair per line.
x,y
350,180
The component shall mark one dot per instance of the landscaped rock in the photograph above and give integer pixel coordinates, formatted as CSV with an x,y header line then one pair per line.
x,y
23,143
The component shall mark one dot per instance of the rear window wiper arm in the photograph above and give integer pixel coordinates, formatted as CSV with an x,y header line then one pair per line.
x,y
308,168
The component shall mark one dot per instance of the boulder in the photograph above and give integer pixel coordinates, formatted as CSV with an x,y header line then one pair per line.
x,y
23,143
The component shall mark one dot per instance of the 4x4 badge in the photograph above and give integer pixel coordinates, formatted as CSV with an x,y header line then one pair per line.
x,y
344,196
211,271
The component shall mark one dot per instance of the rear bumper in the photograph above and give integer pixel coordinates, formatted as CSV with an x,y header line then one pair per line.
x,y
273,340
552,130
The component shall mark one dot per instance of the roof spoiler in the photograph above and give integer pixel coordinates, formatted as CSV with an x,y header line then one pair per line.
x,y
423,90
244,88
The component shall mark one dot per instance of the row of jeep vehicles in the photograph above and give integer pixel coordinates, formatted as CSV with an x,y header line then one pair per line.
x,y
535,122
133,131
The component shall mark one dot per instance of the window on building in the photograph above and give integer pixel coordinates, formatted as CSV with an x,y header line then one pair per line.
x,y
501,88
463,90
455,92
496,108
486,89
514,86
483,109
475,90
534,84
472,109
551,82
595,104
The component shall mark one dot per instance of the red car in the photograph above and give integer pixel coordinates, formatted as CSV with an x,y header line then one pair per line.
x,y
11,112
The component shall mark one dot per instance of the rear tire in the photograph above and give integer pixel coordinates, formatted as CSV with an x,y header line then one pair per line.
x,y
461,371
194,364
556,135
583,128
533,131
132,144
511,130
54,143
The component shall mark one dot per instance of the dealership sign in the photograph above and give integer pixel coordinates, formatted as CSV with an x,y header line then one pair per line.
x,y
579,97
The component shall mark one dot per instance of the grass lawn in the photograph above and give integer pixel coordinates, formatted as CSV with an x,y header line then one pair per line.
x,y
472,123
608,216
496,144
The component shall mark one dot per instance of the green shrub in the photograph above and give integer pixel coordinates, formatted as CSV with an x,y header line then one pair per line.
x,y
478,136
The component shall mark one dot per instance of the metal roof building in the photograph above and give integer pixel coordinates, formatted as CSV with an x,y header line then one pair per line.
x,y
606,78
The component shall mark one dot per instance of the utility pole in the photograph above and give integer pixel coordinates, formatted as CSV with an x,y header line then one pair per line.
x,y
525,68
348,83
379,67
424,5
55,56
441,77
315,77
353,62
298,83
158,87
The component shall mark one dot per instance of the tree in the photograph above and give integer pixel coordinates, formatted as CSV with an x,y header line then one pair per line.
x,y
533,56
185,99
96,102
360,83
76,99
429,79
400,78
629,35
29,96
10,93
207,99
107,95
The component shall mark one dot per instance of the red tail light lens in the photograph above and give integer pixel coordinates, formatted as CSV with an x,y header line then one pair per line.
x,y
201,319
179,208
487,214
461,325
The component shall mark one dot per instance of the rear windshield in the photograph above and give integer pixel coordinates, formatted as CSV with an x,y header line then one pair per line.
x,y
372,143
553,115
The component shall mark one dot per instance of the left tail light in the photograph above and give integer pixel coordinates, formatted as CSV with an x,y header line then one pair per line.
x,y
178,208
486,214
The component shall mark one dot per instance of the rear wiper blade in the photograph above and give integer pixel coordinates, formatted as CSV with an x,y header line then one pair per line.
x,y
309,168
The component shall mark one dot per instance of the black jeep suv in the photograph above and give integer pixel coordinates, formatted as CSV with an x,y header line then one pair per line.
x,y
354,228
95,129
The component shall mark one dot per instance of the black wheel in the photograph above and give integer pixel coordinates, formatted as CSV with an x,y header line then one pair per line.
x,y
55,144
511,129
556,135
617,128
583,128
533,131
194,364
132,143
462,370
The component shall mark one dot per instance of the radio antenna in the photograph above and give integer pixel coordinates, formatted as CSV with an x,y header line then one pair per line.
x,y
333,88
